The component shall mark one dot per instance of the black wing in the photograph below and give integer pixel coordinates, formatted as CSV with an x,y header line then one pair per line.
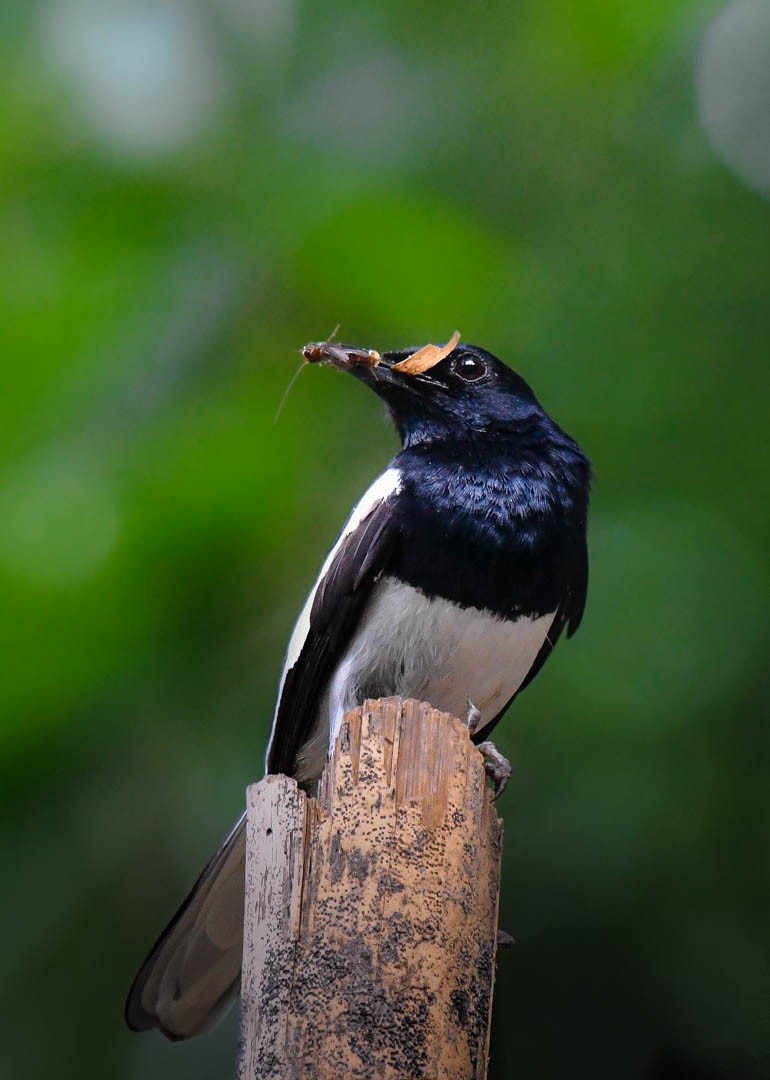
x,y
570,614
193,970
359,559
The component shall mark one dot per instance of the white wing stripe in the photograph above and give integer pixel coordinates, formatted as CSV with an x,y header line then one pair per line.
x,y
389,483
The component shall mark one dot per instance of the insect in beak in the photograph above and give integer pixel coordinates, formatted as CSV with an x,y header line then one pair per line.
x,y
340,356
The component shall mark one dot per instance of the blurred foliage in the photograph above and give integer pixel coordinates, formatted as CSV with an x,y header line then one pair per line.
x,y
190,192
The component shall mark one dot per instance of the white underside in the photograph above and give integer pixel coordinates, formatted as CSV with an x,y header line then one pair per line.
x,y
430,649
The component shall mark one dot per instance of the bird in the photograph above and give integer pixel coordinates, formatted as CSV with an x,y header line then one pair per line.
x,y
450,582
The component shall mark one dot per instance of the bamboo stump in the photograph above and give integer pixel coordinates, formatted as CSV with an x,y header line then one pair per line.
x,y
371,912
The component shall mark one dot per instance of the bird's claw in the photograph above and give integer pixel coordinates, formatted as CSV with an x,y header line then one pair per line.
x,y
505,940
472,717
497,766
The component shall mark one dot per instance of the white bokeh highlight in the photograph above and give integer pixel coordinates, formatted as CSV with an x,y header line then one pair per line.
x,y
145,76
733,89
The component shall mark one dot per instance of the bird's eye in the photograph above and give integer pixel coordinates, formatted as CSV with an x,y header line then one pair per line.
x,y
469,368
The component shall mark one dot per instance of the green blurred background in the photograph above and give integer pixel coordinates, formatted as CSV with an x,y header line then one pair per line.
x,y
190,191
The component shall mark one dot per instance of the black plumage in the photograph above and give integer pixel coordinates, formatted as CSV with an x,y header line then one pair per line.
x,y
452,581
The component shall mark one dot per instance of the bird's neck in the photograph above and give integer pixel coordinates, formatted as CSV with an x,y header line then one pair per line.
x,y
501,481
501,512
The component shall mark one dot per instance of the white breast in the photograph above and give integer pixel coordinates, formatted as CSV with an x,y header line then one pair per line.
x,y
435,651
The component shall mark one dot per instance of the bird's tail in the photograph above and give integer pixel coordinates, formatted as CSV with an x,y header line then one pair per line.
x,y
193,971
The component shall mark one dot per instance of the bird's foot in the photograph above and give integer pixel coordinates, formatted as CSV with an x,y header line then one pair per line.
x,y
497,765
505,940
472,717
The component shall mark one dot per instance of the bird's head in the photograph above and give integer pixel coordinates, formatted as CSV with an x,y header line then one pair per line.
x,y
437,393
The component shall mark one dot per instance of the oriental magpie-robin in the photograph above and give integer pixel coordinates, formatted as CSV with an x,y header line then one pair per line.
x,y
450,582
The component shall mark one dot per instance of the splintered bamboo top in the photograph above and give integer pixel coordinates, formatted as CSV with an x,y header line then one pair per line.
x,y
371,913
